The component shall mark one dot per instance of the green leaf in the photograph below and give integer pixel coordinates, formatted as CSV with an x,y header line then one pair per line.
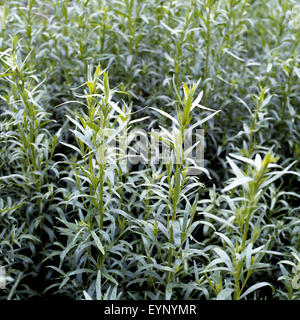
x,y
98,242
253,288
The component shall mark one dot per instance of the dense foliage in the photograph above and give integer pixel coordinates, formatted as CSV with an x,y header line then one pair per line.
x,y
72,226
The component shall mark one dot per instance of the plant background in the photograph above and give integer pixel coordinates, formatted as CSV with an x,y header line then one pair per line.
x,y
73,228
